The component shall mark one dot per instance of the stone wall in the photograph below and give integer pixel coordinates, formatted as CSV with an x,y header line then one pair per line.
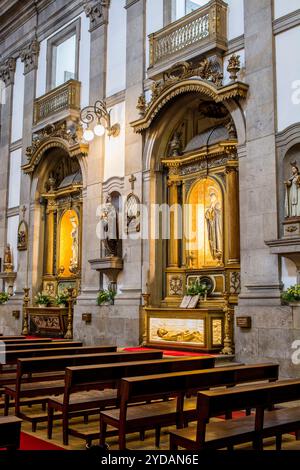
x,y
117,325
8,324
274,329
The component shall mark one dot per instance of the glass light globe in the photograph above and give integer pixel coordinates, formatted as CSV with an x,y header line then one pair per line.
x,y
99,130
88,135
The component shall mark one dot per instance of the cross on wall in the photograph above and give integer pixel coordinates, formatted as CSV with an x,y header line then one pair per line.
x,y
132,180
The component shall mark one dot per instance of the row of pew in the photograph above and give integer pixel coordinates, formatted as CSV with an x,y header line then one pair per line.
x,y
133,392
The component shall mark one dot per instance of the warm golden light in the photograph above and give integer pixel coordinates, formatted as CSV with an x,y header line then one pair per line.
x,y
66,241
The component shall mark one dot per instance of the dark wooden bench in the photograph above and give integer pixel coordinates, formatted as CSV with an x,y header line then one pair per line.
x,y
253,429
51,344
96,378
50,372
25,341
8,371
129,419
2,337
10,429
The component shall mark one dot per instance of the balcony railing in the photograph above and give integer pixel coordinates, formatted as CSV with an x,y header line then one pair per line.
x,y
202,27
63,98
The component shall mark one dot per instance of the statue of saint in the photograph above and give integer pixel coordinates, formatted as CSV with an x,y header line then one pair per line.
x,y
7,265
109,224
213,216
75,244
183,336
292,193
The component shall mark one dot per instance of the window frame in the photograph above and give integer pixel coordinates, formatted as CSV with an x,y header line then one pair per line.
x,y
73,29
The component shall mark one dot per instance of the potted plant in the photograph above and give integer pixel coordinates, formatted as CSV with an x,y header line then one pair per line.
x,y
197,288
42,299
106,297
3,298
292,295
62,300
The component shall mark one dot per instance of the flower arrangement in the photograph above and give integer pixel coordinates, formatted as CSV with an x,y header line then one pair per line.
x,y
196,288
62,299
292,294
3,298
106,297
42,299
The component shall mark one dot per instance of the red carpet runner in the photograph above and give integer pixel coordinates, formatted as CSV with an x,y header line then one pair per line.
x,y
29,442
170,353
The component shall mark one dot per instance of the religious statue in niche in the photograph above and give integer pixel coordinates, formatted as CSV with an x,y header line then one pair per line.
x,y
213,217
22,236
109,228
292,193
132,211
8,264
75,246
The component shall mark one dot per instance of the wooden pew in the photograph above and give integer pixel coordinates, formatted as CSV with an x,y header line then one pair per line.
x,y
51,344
8,376
25,341
2,337
51,385
128,419
10,429
83,378
264,424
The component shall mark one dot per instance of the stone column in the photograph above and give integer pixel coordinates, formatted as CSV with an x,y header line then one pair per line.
x,y
7,72
135,52
29,56
258,191
232,187
92,195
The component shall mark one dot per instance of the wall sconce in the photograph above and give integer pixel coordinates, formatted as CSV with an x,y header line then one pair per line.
x,y
99,114
87,317
16,314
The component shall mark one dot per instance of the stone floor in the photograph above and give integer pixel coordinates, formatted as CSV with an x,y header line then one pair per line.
x,y
133,441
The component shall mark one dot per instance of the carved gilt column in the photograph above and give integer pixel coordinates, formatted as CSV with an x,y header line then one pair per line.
x,y
174,245
232,193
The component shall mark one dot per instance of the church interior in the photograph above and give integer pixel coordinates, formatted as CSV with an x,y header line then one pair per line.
x,y
149,225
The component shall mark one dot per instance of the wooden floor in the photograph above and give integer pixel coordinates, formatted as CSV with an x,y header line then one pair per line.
x,y
133,441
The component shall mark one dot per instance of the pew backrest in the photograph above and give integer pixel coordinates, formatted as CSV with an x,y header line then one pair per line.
x,y
51,344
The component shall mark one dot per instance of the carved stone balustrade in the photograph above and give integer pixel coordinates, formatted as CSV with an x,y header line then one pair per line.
x,y
61,102
204,31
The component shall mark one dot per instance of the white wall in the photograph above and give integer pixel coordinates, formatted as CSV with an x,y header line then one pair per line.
x,y
289,273
235,18
288,78
84,60
154,21
18,103
116,48
14,178
65,60
12,238
114,164
283,7
42,70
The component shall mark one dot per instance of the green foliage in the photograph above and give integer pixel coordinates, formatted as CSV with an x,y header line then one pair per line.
x,y
62,299
196,288
3,297
42,299
106,296
292,294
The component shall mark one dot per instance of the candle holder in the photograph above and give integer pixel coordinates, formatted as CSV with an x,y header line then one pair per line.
x,y
26,300
69,333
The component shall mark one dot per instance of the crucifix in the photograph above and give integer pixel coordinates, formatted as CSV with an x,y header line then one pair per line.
x,y
132,180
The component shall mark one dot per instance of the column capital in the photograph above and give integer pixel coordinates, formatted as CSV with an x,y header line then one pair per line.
x,y
7,71
29,56
97,12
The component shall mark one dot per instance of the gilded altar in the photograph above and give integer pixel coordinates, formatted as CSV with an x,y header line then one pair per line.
x,y
49,321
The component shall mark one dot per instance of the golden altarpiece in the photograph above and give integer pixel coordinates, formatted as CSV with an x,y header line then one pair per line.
x,y
199,171
59,150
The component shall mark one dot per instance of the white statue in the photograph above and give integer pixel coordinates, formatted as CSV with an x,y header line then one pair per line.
x,y
292,193
109,225
75,243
